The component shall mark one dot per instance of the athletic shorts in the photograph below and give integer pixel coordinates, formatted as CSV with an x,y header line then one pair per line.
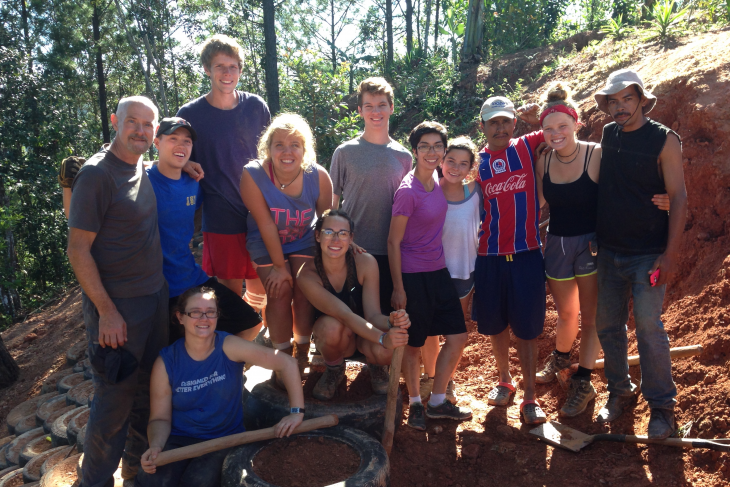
x,y
386,284
226,257
236,314
464,286
569,257
432,305
509,290
265,261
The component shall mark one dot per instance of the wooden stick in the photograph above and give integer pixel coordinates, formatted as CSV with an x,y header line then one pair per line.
x,y
677,352
204,447
390,406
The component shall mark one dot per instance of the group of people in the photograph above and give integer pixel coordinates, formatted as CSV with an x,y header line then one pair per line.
x,y
386,250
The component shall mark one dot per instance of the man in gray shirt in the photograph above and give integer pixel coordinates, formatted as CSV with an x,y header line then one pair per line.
x,y
366,171
114,249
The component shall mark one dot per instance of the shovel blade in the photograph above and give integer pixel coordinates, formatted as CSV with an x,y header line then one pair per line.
x,y
562,436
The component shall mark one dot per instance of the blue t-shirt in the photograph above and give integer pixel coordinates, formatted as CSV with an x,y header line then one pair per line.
x,y
226,142
206,395
177,201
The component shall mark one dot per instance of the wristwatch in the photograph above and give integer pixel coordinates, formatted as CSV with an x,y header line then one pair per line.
x,y
296,411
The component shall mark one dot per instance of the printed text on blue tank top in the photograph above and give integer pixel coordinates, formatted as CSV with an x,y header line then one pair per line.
x,y
197,384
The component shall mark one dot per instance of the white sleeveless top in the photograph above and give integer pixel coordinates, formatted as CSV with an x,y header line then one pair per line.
x,y
460,235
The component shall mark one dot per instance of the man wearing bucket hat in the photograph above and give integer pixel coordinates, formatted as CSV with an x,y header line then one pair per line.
x,y
637,240
509,273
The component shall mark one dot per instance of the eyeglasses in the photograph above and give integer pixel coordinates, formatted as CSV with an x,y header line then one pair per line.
x,y
196,315
342,234
425,149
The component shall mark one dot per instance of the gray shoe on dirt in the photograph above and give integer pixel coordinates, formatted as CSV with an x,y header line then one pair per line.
x,y
416,416
327,385
379,378
614,407
447,410
661,424
553,364
580,393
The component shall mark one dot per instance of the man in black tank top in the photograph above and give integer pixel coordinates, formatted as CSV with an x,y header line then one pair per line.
x,y
640,158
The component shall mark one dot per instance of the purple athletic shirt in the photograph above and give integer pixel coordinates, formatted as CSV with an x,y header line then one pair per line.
x,y
421,248
226,142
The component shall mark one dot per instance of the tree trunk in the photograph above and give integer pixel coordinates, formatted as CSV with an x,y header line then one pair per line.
x,y
9,297
418,25
9,370
96,21
332,34
270,62
436,26
428,26
409,26
474,32
26,35
389,30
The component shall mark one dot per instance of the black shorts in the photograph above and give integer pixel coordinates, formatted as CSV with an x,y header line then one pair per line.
x,y
510,290
386,284
236,314
432,305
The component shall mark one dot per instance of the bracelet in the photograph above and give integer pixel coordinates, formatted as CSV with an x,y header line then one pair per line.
x,y
296,411
380,341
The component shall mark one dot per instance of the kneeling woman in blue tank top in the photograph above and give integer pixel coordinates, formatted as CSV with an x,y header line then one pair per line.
x,y
196,390
348,319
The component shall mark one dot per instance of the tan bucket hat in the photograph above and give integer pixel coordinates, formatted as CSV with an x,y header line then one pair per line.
x,y
619,80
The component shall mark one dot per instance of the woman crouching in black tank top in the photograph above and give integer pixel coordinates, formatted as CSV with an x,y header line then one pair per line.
x,y
568,181
343,288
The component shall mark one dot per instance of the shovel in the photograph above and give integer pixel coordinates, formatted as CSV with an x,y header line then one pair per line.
x,y
392,399
571,439
677,352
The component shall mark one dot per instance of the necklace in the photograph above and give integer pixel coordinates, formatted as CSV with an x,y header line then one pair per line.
x,y
272,174
577,148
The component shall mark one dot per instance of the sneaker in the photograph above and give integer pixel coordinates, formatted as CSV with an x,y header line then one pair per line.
x,y
553,364
661,424
416,417
615,406
580,393
379,378
450,396
301,352
327,385
447,410
426,386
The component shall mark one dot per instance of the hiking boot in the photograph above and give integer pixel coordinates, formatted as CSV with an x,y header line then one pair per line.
x,y
379,378
426,386
327,385
301,352
450,387
661,424
553,364
580,393
416,416
447,410
615,406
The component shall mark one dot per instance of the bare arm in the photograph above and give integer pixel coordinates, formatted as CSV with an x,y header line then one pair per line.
x,y
160,424
112,328
194,170
395,237
670,161
256,204
538,180
324,202
66,200
335,201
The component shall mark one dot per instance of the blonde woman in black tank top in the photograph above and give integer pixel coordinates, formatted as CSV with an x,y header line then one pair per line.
x,y
567,177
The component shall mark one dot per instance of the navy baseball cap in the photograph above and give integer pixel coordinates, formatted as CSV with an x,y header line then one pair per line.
x,y
170,124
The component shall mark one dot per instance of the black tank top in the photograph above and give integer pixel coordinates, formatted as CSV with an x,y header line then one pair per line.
x,y
574,205
628,221
352,297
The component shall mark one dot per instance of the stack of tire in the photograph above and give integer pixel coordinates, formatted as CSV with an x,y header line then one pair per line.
x,y
48,429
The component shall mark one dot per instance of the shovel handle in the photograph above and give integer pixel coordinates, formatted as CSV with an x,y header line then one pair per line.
x,y
204,447
676,352
392,398
676,442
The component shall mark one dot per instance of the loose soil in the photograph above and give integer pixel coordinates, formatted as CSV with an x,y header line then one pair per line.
x,y
306,462
52,460
80,393
691,78
14,479
38,446
63,474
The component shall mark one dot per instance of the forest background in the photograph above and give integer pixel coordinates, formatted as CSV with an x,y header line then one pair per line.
x,y
65,64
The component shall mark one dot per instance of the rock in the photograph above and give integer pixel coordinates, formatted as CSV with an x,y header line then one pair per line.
x,y
710,379
471,451
436,430
30,337
504,430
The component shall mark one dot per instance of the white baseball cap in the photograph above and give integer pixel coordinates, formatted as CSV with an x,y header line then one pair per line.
x,y
497,106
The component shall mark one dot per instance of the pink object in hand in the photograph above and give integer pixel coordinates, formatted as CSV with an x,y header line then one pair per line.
x,y
654,277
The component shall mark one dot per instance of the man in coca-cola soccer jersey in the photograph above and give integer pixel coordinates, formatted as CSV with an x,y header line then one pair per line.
x,y
510,276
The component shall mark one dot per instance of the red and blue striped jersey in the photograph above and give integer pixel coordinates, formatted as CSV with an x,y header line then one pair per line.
x,y
507,178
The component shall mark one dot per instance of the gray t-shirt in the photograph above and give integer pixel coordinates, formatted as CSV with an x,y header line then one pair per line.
x,y
366,175
116,201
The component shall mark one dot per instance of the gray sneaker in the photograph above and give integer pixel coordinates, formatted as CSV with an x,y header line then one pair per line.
x,y
553,364
615,406
447,410
661,424
580,393
327,385
416,417
379,378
